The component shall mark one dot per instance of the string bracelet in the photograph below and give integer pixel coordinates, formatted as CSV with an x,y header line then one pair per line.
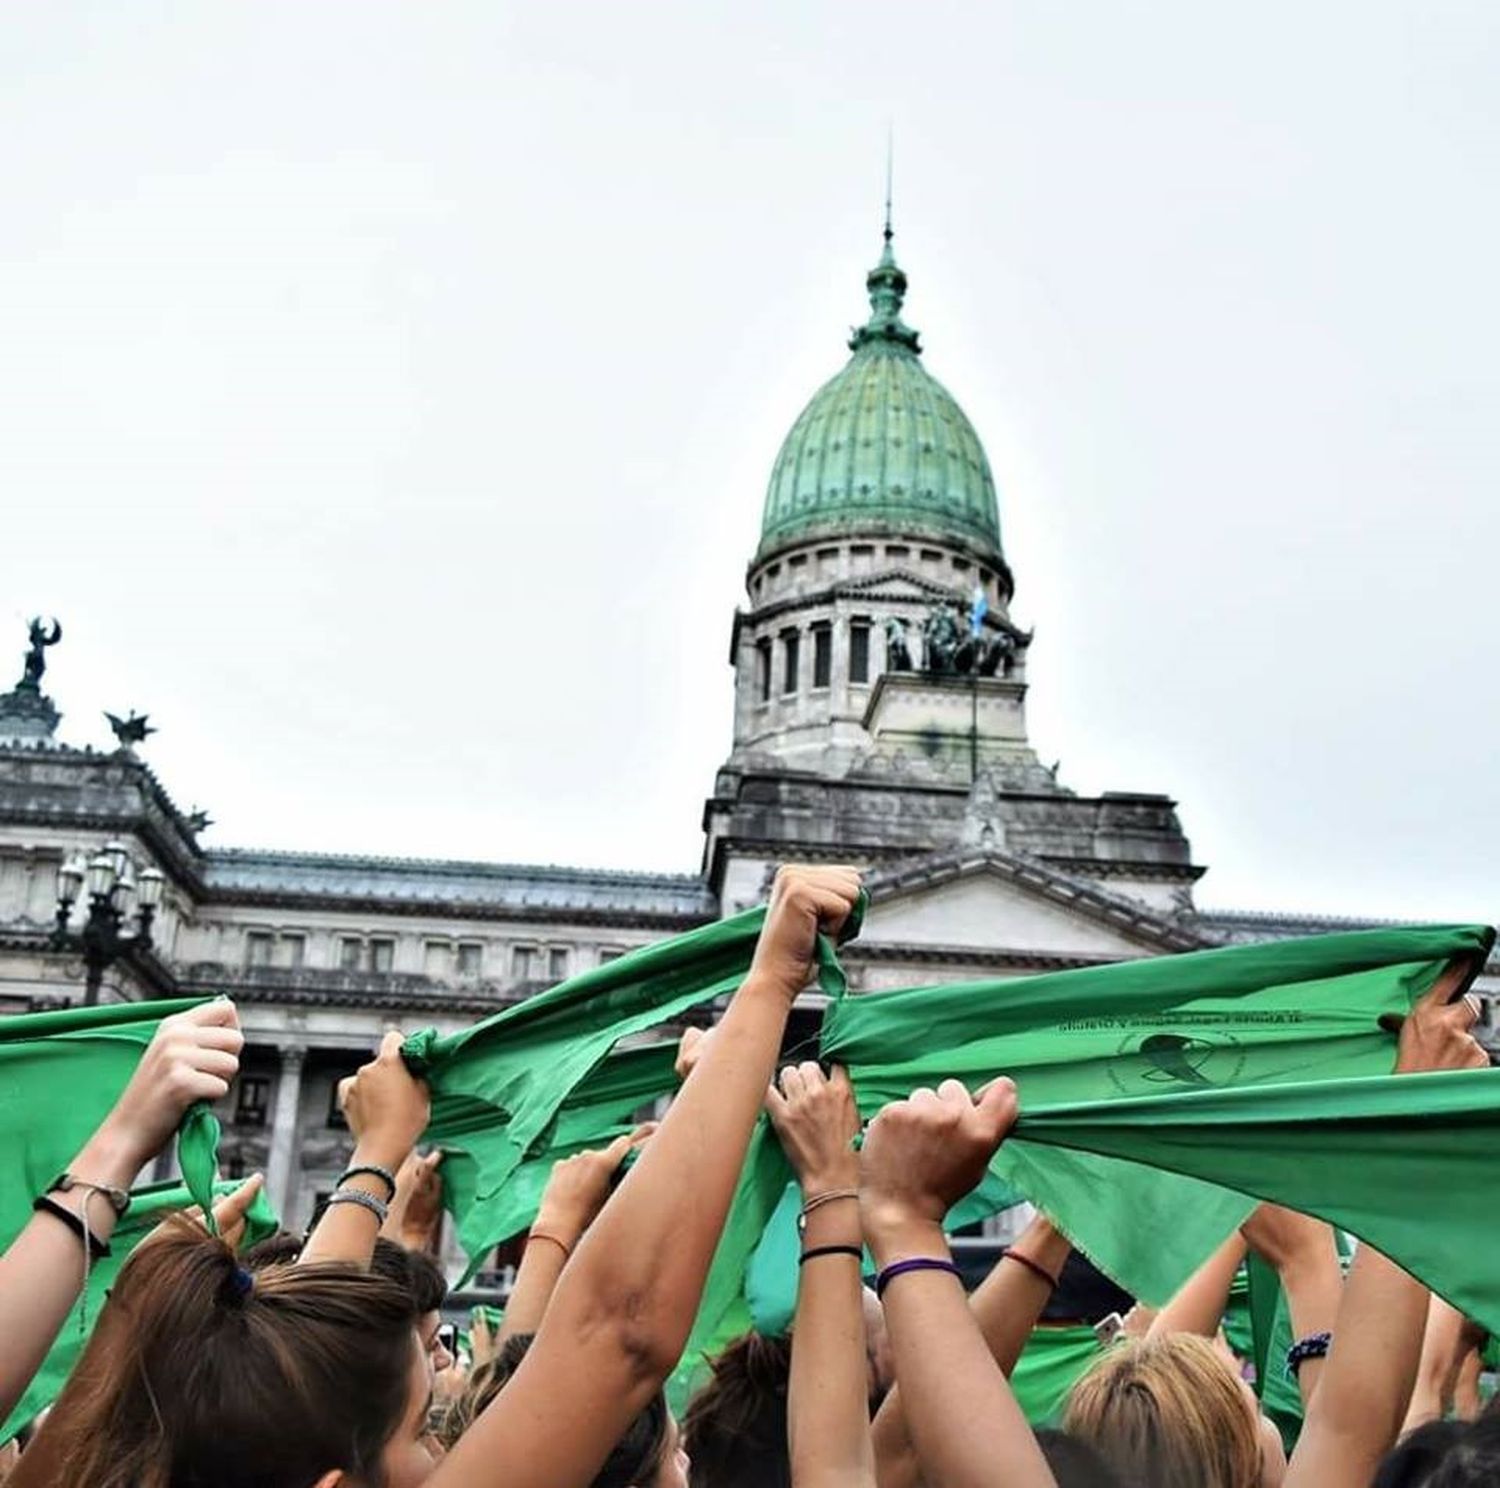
x,y
916,1263
562,1245
1035,1267
828,1250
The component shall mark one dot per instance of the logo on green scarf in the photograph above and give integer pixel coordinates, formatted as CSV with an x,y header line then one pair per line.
x,y
1177,1061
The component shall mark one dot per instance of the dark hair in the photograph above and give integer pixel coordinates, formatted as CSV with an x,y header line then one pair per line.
x,y
1470,1460
199,1373
1074,1463
412,1269
735,1427
635,1458
280,1249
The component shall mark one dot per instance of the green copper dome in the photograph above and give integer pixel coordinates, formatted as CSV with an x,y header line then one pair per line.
x,y
882,447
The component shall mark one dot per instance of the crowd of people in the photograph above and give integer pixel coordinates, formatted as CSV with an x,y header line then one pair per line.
x,y
321,1361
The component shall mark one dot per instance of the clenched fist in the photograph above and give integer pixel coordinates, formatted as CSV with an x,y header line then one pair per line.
x,y
804,901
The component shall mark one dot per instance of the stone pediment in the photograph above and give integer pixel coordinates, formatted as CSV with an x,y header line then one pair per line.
x,y
991,901
894,584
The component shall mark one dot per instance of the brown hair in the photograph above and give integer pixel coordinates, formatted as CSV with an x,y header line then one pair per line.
x,y
199,1374
1167,1410
734,1431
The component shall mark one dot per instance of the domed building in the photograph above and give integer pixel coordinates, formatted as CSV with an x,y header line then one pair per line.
x,y
881,687
879,719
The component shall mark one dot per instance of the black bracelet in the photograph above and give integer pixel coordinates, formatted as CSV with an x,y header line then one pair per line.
x,y
375,1171
1314,1346
823,1250
97,1248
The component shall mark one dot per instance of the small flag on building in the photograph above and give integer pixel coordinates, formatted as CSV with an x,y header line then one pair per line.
x,y
978,609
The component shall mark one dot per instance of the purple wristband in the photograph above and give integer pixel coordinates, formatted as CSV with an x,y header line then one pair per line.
x,y
917,1263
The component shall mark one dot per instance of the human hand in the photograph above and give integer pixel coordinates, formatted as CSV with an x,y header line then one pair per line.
x,y
193,1056
817,1121
690,1050
803,902
921,1155
416,1211
580,1185
1437,1034
229,1214
481,1338
386,1107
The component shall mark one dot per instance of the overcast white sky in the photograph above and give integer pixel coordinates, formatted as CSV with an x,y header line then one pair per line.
x,y
387,394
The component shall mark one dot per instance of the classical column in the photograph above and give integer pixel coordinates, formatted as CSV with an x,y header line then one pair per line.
x,y
280,1165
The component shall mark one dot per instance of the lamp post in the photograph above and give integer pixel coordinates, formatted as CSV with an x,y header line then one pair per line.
x,y
116,893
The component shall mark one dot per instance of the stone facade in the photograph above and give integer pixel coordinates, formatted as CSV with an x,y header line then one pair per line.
x,y
980,861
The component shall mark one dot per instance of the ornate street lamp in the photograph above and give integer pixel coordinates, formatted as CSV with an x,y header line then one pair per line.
x,y
116,892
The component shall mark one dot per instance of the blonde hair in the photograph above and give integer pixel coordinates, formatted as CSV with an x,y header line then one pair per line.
x,y
1168,1410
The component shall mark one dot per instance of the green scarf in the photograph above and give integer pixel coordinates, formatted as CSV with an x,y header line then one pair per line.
x,y
498,1086
60,1075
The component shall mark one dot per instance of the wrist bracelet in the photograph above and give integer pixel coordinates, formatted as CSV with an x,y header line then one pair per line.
x,y
95,1248
818,1200
1035,1267
1314,1346
375,1171
827,1250
365,1201
119,1199
562,1245
917,1263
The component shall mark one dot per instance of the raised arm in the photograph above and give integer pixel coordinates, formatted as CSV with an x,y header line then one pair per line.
x,y
1306,1260
920,1157
193,1056
1006,1305
387,1111
828,1409
575,1193
1361,1400
1198,1306
626,1300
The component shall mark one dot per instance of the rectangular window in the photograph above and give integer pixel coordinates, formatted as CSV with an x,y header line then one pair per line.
x,y
523,964
859,650
469,959
763,670
258,948
350,950
253,1102
437,958
608,954
791,647
293,951
557,964
382,954
822,655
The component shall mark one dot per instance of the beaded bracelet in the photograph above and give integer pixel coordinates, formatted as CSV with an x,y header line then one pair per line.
x,y
375,1171
1314,1346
